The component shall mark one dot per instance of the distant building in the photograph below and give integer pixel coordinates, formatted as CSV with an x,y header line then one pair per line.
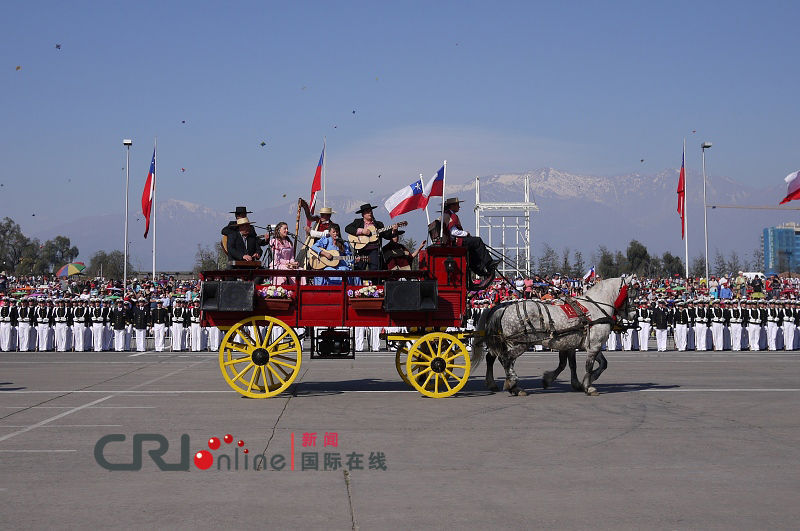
x,y
782,248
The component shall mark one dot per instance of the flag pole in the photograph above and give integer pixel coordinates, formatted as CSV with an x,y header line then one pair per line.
x,y
153,206
127,143
685,218
444,185
427,216
324,171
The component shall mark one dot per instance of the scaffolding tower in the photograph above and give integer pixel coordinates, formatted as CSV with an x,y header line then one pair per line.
x,y
506,227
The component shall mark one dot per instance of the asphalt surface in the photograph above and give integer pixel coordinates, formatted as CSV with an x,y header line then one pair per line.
x,y
675,440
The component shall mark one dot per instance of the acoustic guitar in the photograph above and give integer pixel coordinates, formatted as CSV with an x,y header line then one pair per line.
x,y
317,261
359,242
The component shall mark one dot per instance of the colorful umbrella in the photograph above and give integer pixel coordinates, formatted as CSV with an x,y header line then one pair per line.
x,y
71,269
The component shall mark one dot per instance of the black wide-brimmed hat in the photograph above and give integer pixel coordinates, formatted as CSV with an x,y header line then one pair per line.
x,y
451,201
365,207
241,211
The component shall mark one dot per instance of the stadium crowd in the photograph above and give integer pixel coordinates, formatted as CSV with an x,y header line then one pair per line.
x,y
734,312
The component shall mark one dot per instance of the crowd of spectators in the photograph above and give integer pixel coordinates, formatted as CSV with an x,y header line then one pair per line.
x,y
734,286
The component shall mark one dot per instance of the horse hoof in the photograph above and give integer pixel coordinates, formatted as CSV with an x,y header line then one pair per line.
x,y
592,392
507,386
492,387
547,379
522,392
576,386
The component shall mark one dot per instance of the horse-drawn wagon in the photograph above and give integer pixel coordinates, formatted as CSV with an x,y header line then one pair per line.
x,y
261,353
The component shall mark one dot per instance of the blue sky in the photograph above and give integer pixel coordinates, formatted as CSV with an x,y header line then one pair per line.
x,y
584,87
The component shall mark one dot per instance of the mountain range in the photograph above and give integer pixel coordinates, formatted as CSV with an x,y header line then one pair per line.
x,y
579,212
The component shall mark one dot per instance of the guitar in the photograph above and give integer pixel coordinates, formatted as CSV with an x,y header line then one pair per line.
x,y
359,242
317,261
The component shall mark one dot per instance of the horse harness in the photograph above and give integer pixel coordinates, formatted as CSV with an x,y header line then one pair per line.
x,y
584,323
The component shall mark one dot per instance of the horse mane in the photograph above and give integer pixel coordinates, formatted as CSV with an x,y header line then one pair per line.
x,y
603,287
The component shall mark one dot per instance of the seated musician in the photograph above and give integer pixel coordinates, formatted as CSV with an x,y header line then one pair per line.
x,y
321,228
282,253
366,226
479,260
396,255
244,245
334,242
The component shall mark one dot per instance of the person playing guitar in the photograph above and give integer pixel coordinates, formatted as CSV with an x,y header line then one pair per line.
x,y
368,226
396,255
333,242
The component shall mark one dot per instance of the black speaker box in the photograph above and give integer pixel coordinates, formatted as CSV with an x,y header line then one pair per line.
x,y
411,295
227,296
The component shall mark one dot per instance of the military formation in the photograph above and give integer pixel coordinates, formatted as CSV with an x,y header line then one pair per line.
x,y
711,324
102,324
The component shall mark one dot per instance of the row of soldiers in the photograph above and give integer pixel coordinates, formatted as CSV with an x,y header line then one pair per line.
x,y
101,324
706,324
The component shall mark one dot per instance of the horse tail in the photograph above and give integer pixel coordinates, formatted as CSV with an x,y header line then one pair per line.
x,y
483,329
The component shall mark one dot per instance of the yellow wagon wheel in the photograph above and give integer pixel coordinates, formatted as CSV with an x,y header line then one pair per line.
x,y
400,363
260,356
439,365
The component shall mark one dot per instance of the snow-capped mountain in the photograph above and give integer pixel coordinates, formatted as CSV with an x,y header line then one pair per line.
x,y
579,212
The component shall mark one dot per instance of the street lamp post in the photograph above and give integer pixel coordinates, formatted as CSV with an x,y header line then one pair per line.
x,y
704,146
127,143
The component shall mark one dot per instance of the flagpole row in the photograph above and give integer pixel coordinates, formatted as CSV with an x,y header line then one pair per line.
x,y
685,217
444,186
153,206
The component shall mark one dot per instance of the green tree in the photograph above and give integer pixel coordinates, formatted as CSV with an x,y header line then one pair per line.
x,y
607,266
578,265
671,265
720,268
209,258
638,258
758,259
734,263
548,263
565,267
698,267
12,244
108,265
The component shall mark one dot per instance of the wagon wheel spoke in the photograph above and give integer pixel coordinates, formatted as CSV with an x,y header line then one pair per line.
x,y
252,379
235,361
251,364
233,346
256,334
279,362
267,334
444,354
245,340
428,379
277,341
444,379
453,366
275,373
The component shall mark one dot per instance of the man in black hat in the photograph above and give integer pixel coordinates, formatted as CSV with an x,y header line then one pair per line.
x,y
479,260
396,255
231,228
367,225
244,244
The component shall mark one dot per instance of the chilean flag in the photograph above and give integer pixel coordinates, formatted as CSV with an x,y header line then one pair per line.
x,y
682,196
435,187
148,193
589,276
406,199
793,187
316,184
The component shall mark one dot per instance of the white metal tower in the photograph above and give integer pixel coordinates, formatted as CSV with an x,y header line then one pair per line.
x,y
506,227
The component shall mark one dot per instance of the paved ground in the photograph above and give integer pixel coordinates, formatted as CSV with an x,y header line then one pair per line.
x,y
698,440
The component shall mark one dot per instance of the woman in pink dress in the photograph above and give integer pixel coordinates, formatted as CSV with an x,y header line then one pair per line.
x,y
282,253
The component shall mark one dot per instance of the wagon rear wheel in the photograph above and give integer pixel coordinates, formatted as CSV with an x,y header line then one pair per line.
x,y
260,356
400,362
438,365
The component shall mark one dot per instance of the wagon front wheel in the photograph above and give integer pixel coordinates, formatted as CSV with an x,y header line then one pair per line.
x,y
438,365
260,356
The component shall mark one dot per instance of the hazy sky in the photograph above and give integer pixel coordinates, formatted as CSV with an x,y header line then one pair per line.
x,y
590,87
